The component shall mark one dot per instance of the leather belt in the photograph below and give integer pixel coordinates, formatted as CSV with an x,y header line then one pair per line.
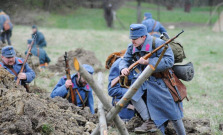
x,y
157,75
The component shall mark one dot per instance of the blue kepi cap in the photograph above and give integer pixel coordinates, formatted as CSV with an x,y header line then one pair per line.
x,y
137,30
148,15
89,68
8,51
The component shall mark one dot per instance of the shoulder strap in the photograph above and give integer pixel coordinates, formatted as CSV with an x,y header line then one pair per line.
x,y
153,27
154,44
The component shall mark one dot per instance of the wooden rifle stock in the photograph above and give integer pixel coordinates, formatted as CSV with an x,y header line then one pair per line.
x,y
131,67
71,91
24,64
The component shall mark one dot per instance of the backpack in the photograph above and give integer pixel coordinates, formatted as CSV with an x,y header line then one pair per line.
x,y
176,47
6,25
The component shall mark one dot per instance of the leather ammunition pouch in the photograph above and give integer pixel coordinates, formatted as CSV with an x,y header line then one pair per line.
x,y
176,87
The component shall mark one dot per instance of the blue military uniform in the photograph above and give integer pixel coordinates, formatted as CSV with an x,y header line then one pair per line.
x,y
61,90
39,52
40,39
117,92
160,102
6,34
149,22
8,51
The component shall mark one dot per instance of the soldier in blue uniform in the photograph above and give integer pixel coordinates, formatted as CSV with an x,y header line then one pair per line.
x,y
117,91
154,27
13,64
84,95
159,101
40,39
44,60
5,27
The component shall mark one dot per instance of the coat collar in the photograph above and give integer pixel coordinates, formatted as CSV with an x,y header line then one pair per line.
x,y
146,47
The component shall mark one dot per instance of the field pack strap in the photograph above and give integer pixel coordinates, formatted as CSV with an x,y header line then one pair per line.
x,y
154,44
38,52
153,27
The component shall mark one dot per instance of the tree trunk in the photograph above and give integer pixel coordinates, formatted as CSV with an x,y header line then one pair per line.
x,y
108,13
187,6
139,11
100,94
102,119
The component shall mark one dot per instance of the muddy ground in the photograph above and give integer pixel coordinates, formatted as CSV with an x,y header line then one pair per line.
x,y
83,56
29,113
192,126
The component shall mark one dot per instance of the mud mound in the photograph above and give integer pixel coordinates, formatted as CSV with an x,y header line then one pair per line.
x,y
192,126
28,113
84,56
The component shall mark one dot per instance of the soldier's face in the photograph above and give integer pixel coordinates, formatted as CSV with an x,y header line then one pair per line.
x,y
9,61
139,41
81,81
34,30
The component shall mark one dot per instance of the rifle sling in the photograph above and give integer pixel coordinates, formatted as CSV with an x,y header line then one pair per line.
x,y
83,103
38,52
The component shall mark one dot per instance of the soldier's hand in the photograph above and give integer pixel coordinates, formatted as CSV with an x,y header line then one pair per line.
x,y
143,61
22,76
125,71
68,83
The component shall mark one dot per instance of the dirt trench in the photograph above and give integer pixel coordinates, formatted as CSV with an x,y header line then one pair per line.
x,y
29,113
83,56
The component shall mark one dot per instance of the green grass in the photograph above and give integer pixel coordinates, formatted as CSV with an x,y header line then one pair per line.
x,y
93,19
202,47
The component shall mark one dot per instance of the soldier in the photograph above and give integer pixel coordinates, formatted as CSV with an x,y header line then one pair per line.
x,y
159,100
117,91
154,27
44,60
5,27
13,64
40,39
84,95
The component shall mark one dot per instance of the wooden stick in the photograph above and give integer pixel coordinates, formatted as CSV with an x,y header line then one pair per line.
x,y
98,91
102,119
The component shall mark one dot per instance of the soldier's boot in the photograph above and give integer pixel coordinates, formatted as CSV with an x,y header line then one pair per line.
x,y
147,126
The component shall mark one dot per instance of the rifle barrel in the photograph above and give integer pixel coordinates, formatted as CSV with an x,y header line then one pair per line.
x,y
27,56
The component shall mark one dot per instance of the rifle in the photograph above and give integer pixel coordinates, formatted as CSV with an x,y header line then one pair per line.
x,y
71,91
24,64
133,66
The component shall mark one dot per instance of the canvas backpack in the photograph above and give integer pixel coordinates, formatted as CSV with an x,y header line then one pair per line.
x,y
176,47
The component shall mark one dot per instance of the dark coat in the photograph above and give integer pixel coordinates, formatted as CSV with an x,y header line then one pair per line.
x,y
40,39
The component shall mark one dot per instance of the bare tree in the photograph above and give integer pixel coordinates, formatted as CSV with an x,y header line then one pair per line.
x,y
187,6
108,13
139,11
